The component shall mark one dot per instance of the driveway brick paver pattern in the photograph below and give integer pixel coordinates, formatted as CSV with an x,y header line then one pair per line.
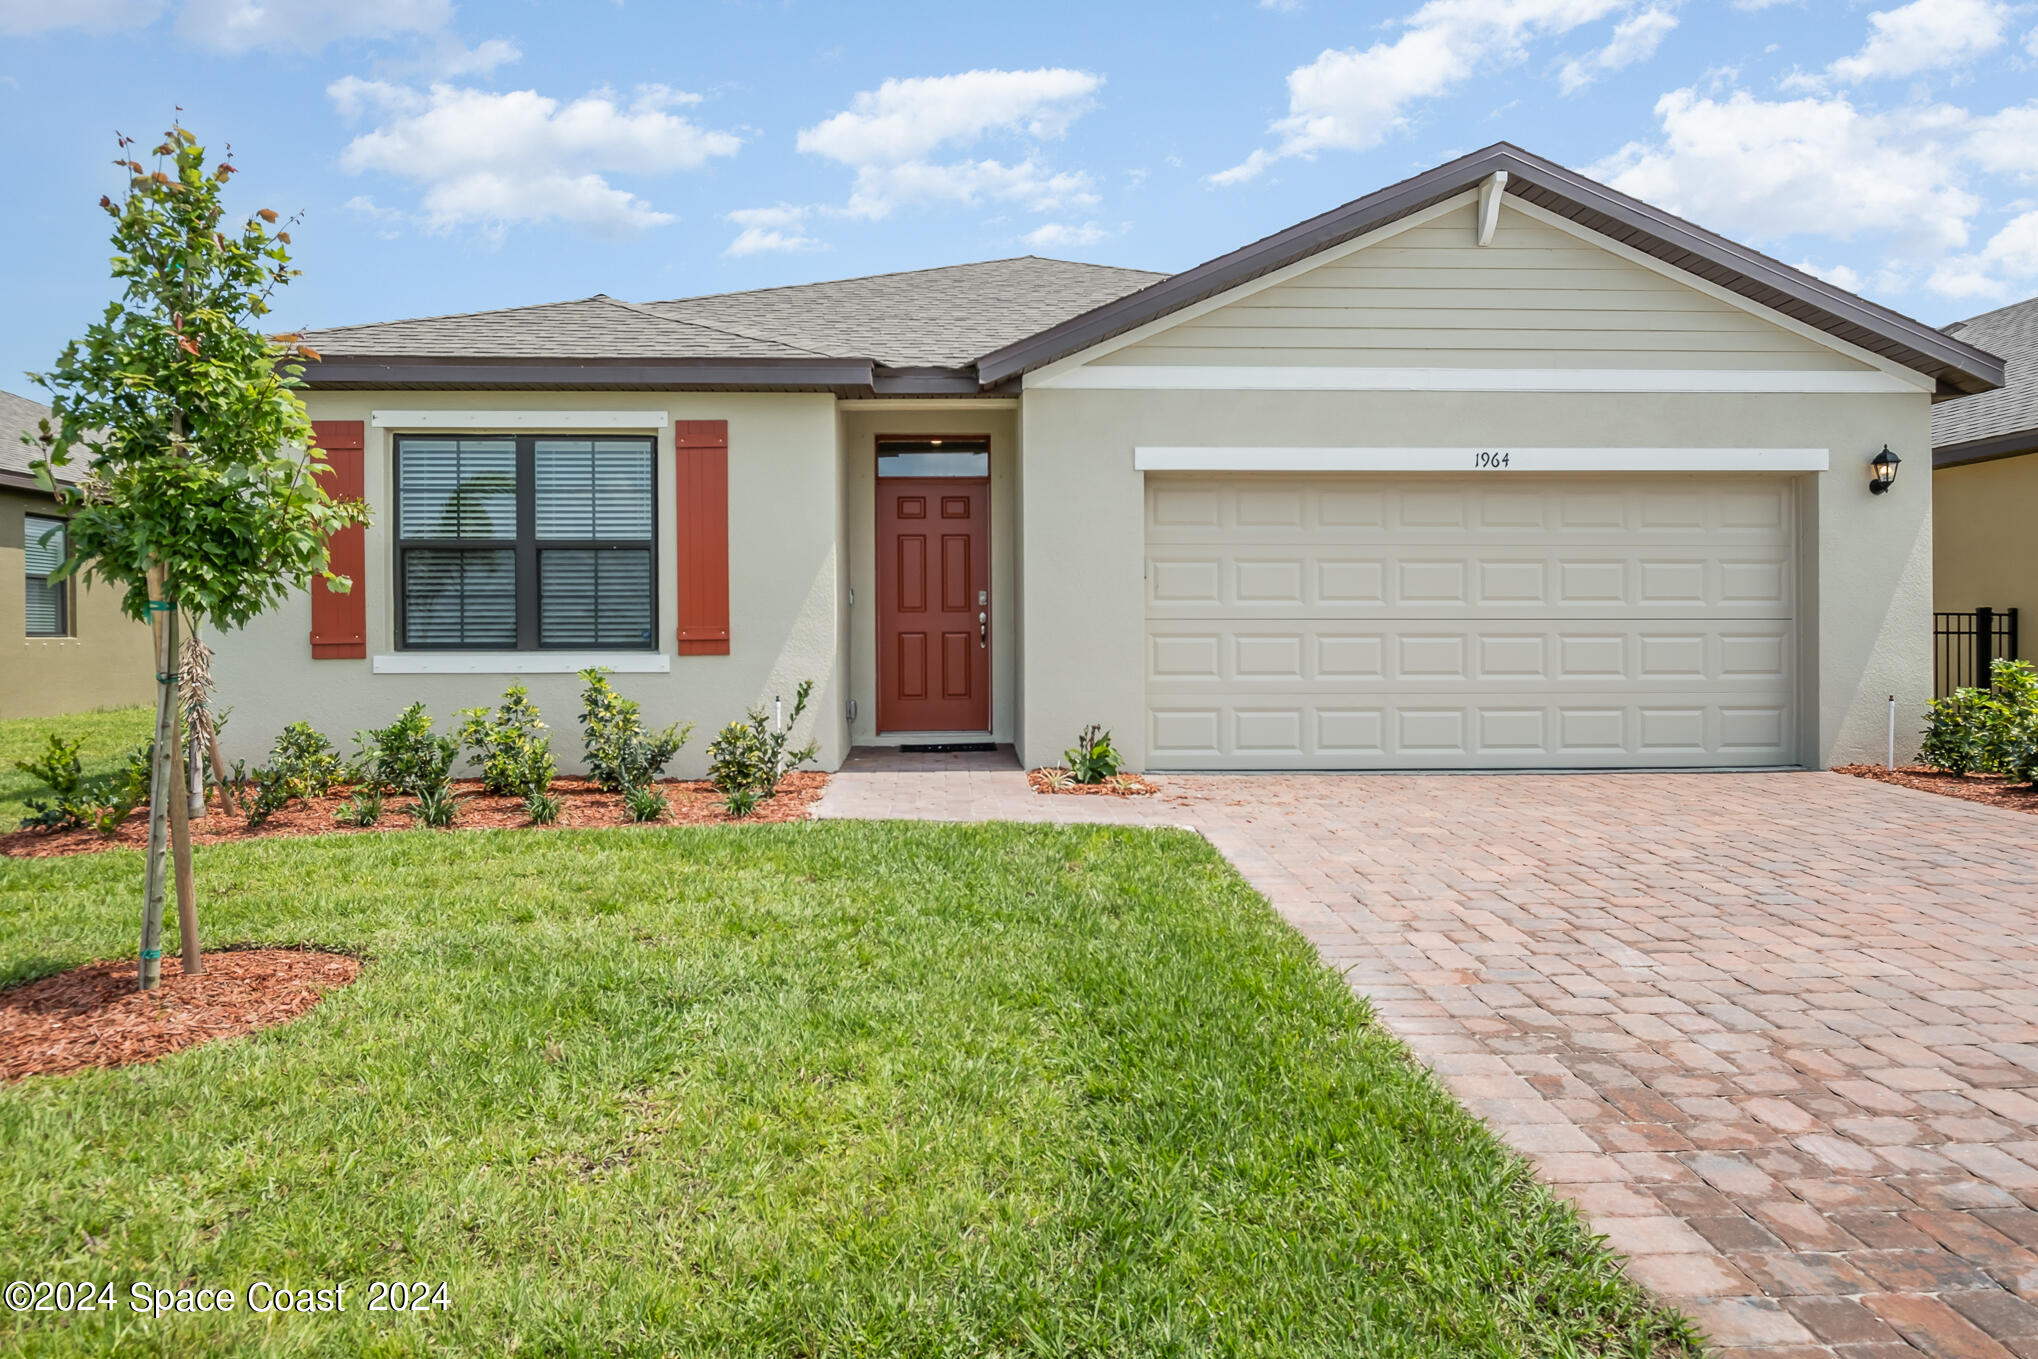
x,y
1775,1034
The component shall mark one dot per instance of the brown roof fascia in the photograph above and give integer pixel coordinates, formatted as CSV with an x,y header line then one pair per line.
x,y
1986,450
340,372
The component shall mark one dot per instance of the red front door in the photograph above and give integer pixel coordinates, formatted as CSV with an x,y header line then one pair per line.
x,y
934,604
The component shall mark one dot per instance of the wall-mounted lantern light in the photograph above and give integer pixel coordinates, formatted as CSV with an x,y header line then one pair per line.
x,y
1882,471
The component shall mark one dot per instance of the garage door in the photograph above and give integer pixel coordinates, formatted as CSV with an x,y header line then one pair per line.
x,y
1377,622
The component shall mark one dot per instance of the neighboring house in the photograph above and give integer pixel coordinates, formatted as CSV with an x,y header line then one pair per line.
x,y
1493,468
1985,498
69,647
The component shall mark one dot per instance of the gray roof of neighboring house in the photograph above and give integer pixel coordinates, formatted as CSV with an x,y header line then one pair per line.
x,y
19,416
2003,422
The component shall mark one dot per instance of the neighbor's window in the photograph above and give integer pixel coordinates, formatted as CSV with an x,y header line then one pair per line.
x,y
49,602
932,457
525,543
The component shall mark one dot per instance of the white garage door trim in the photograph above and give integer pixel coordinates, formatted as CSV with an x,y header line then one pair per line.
x,y
1418,621
1486,460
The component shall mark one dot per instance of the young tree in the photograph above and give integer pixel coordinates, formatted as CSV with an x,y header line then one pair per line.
x,y
200,501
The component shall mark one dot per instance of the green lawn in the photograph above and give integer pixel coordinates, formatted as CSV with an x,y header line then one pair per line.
x,y
109,734
831,1089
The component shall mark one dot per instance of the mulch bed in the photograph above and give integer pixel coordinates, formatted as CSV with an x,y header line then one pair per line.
x,y
93,1015
582,806
1988,788
1118,785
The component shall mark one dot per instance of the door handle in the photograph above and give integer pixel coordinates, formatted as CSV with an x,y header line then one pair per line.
x,y
984,630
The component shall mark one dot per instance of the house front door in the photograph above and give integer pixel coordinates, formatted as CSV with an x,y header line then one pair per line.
x,y
934,603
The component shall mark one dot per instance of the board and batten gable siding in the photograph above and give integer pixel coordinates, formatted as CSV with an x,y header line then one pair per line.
x,y
1431,297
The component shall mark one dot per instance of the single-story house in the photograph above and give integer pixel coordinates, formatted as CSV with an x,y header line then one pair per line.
x,y
1492,468
1985,499
69,647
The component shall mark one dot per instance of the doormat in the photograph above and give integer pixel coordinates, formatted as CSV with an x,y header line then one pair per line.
x,y
949,748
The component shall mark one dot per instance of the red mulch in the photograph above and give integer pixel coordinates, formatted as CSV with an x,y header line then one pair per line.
x,y
582,806
1988,788
1118,785
94,1015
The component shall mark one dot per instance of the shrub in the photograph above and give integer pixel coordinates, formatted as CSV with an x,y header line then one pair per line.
x,y
1993,730
541,808
435,807
304,757
621,755
363,809
1092,759
404,757
511,745
741,802
645,803
101,801
1953,729
302,764
751,756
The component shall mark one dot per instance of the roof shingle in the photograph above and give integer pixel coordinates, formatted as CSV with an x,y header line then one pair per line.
x,y
941,317
2012,409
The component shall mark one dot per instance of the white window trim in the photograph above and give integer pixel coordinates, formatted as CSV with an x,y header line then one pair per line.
x,y
520,662
519,420
1272,378
1487,462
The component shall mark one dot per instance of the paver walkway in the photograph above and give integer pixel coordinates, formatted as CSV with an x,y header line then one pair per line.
x,y
1776,1034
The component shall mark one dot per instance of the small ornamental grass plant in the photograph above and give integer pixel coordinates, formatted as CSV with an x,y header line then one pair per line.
x,y
1989,731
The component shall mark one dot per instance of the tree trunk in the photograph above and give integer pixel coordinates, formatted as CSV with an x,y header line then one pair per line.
x,y
162,786
180,843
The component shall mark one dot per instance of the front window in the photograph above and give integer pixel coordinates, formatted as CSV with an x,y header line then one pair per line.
x,y
525,543
49,602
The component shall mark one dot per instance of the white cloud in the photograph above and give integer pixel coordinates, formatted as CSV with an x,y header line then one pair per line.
x,y
2009,262
2006,142
771,229
94,16
1061,235
1924,35
305,25
904,120
1352,99
1839,275
457,59
1635,38
1772,169
493,159
2031,42
891,136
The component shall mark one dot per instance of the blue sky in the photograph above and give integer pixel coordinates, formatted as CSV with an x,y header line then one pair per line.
x,y
458,157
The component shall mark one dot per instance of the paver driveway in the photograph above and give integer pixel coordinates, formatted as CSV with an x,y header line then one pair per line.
x,y
1777,1034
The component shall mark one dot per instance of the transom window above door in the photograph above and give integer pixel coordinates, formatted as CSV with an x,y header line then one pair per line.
x,y
526,543
934,456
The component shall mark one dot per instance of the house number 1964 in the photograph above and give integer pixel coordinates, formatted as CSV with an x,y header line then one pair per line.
x,y
1483,461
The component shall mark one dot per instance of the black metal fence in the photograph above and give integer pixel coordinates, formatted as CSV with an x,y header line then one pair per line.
x,y
1965,645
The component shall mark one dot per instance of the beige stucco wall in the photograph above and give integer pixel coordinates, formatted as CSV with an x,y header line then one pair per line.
x,y
1986,549
861,427
1866,568
106,662
784,569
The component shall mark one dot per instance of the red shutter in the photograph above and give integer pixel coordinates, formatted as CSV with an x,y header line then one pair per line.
x,y
701,473
339,622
